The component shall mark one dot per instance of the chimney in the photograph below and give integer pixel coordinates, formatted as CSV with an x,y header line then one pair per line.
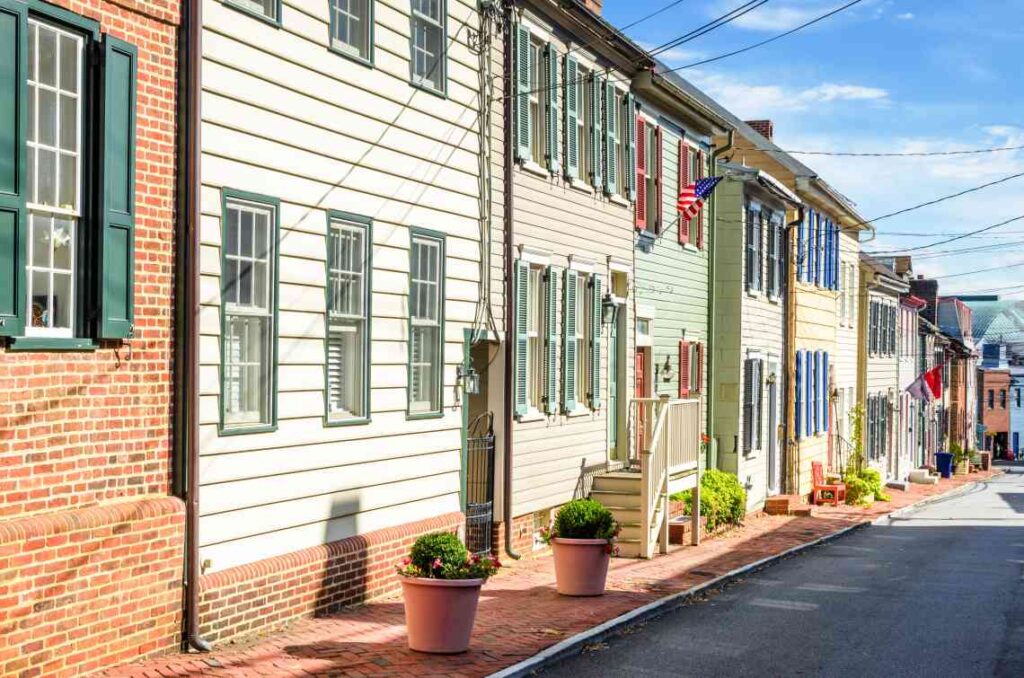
x,y
593,5
927,289
763,127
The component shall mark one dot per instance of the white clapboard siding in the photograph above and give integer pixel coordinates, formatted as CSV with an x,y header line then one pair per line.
x,y
284,116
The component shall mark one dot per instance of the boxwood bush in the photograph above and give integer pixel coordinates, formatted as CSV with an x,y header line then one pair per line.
x,y
584,519
722,499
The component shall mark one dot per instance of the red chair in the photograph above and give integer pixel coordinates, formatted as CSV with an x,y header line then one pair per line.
x,y
837,490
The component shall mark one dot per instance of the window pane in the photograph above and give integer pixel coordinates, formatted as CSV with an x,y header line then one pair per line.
x,y
246,384
47,169
47,120
68,63
68,182
39,298
32,30
62,301
68,122
63,240
245,234
40,241
231,232
47,74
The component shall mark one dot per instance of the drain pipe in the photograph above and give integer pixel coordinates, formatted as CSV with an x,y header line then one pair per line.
x,y
186,419
792,479
712,459
509,252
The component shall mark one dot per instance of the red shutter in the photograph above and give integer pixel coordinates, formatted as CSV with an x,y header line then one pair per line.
x,y
684,369
699,357
641,174
684,180
700,214
658,183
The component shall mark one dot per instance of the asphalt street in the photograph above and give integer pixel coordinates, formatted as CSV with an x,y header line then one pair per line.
x,y
939,592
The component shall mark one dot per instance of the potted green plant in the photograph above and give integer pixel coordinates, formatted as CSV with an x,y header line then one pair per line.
x,y
962,459
441,588
582,538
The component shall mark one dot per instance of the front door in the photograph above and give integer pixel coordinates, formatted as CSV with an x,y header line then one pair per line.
x,y
613,391
774,463
640,379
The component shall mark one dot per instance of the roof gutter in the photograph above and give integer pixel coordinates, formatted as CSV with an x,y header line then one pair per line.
x,y
186,326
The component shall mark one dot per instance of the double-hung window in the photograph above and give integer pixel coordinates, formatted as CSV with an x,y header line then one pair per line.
x,y
627,129
537,92
348,305
753,385
248,303
428,44
352,28
268,10
426,321
652,137
67,174
754,237
54,177
774,225
582,336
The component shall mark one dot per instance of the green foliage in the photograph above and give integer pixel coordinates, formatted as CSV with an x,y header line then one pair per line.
x,y
856,461
584,519
960,455
722,499
862,484
442,555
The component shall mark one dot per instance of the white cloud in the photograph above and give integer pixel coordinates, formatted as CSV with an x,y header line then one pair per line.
x,y
758,101
906,16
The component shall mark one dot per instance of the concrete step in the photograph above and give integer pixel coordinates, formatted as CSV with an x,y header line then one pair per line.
x,y
626,515
628,548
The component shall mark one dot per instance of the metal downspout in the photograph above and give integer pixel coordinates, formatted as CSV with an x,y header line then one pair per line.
x,y
186,420
712,460
792,480
509,251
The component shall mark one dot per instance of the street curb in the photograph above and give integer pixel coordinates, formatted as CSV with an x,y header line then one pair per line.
x,y
889,518
571,646
657,608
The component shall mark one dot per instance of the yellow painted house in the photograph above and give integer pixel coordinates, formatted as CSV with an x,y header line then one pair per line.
x,y
820,361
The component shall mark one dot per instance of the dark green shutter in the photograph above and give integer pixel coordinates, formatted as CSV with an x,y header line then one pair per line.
x,y
569,341
553,154
13,126
117,248
629,130
522,319
551,322
596,159
595,343
611,144
572,113
524,82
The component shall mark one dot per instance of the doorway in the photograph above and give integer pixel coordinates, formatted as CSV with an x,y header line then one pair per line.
x,y
774,462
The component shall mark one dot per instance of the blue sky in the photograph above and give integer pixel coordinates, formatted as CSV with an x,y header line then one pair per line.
x,y
883,76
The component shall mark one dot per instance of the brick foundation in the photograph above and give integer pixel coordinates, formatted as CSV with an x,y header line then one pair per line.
x,y
85,589
522,536
265,595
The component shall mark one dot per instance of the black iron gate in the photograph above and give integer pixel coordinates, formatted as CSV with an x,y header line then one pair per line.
x,y
480,484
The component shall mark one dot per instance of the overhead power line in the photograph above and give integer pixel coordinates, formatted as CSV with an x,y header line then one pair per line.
x,y
717,22
979,270
908,154
769,40
969,234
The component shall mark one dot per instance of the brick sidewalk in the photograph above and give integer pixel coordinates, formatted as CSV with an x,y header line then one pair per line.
x,y
520,614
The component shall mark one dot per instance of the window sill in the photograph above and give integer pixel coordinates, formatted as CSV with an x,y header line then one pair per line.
x,y
619,200
531,416
774,299
276,23
581,186
51,344
353,421
440,93
241,430
692,248
535,169
413,416
753,294
351,56
580,411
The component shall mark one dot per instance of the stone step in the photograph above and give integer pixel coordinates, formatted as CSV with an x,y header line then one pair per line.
x,y
617,482
614,499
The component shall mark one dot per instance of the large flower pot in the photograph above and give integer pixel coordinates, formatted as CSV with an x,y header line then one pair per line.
x,y
581,566
439,613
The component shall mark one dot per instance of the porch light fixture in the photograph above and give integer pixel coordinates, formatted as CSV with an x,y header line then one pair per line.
x,y
469,378
666,372
609,309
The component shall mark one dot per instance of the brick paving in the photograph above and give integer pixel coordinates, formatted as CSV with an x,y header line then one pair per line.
x,y
520,614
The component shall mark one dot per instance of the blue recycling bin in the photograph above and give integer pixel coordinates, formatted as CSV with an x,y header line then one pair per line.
x,y
944,462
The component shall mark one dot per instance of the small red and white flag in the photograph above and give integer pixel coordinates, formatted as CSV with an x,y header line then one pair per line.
x,y
692,197
928,386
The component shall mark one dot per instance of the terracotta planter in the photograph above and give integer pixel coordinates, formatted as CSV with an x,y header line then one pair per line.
x,y
963,468
581,566
439,613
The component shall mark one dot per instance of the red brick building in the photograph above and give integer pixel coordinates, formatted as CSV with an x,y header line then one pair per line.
x,y
994,408
90,536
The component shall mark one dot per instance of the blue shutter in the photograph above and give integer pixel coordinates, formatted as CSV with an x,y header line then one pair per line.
x,y
827,282
809,394
818,246
801,247
799,392
824,391
809,249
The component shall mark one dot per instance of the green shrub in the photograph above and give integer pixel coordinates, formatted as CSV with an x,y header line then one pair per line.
x,y
874,480
584,519
442,555
722,499
857,490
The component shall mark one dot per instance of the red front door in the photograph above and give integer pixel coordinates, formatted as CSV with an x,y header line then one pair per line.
x,y
641,392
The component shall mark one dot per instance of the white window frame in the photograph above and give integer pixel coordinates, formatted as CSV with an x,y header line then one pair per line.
x,y
538,99
426,25
350,321
433,292
38,210
263,309
351,17
583,337
536,336
583,74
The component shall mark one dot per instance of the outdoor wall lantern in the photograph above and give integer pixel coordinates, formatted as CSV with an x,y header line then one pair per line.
x,y
469,378
666,371
609,309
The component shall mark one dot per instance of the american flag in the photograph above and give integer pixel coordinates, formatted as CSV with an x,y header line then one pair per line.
x,y
692,197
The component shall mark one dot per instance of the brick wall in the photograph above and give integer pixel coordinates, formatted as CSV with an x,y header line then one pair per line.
x,y
84,589
522,537
265,595
80,428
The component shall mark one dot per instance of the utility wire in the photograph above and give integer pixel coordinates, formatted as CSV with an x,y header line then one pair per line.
x,y
949,240
908,154
717,22
980,270
769,40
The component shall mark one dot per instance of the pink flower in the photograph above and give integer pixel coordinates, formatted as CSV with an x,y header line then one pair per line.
x,y
406,561
437,563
